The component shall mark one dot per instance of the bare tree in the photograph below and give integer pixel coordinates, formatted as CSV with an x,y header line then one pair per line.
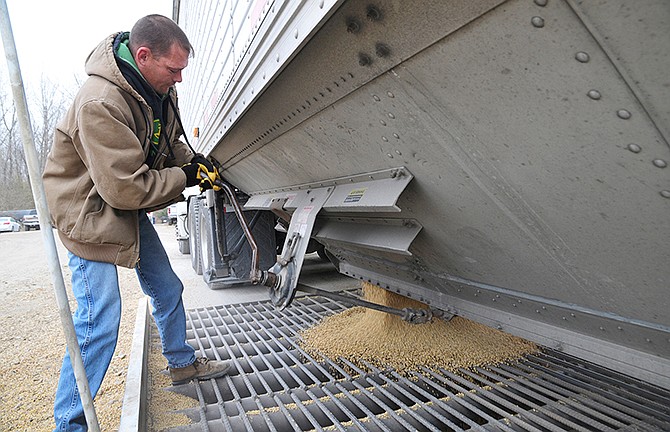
x,y
46,108
10,142
49,108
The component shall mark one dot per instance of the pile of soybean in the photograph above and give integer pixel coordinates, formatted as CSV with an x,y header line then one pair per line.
x,y
361,335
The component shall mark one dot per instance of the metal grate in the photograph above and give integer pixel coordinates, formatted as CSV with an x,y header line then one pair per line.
x,y
276,386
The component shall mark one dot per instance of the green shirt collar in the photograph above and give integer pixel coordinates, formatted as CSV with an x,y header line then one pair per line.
x,y
125,55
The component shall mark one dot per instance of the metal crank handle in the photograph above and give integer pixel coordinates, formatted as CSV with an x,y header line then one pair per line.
x,y
255,270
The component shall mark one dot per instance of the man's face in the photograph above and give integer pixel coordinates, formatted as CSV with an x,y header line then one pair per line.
x,y
164,71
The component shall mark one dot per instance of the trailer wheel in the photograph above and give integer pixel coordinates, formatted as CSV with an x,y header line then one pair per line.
x,y
194,234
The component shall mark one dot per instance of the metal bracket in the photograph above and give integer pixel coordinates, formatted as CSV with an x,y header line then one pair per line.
x,y
287,268
368,193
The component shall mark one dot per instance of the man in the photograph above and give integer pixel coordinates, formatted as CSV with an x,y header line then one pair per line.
x,y
116,154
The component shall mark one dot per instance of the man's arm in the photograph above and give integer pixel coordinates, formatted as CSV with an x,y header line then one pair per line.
x,y
114,157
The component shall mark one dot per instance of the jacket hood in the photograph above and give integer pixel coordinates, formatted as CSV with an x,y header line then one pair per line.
x,y
102,62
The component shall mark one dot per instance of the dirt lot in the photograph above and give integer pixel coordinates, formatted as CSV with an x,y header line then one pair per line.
x,y
32,342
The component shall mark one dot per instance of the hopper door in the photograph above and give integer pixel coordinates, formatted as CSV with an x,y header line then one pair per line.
x,y
339,213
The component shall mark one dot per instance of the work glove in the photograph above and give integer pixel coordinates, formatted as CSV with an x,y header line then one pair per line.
x,y
199,158
201,172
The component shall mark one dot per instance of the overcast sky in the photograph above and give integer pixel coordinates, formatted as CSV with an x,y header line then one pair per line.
x,y
54,37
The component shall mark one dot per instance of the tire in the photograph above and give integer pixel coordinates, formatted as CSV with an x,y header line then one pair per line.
x,y
194,234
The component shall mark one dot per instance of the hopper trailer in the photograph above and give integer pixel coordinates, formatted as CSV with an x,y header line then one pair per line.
x,y
503,161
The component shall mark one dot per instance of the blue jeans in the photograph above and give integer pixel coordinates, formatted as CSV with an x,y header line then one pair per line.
x,y
96,287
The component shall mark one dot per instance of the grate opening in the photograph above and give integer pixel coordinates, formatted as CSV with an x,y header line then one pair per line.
x,y
618,395
276,386
639,393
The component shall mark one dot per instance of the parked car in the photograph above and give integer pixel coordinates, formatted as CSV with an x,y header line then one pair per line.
x,y
8,224
31,221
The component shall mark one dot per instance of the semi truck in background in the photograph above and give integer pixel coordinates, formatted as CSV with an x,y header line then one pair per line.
x,y
501,160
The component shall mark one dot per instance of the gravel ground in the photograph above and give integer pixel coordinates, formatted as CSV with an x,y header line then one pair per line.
x,y
32,342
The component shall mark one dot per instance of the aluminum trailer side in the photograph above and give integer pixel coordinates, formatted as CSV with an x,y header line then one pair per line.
x,y
501,160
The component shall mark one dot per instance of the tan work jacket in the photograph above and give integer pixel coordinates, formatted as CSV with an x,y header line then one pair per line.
x,y
95,176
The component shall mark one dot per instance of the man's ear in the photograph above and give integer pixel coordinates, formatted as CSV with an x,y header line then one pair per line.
x,y
142,56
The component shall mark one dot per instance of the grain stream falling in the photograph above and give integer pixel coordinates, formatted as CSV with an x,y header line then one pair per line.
x,y
383,340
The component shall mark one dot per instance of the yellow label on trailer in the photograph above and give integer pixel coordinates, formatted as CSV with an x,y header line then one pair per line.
x,y
355,196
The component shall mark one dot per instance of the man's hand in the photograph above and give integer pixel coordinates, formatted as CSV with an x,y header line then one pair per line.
x,y
201,172
200,159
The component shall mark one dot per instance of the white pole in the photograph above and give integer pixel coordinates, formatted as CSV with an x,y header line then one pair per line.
x,y
43,213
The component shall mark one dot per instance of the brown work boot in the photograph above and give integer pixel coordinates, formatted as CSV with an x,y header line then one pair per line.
x,y
202,369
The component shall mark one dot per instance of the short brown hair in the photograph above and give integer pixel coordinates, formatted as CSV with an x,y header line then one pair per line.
x,y
158,33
